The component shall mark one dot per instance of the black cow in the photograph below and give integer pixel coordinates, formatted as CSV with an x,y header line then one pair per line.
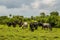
x,y
13,24
34,25
40,24
20,24
9,24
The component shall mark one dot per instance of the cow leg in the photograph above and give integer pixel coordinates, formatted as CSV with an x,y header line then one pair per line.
x,y
20,25
9,25
32,28
26,26
23,26
14,25
42,28
50,29
36,27
47,27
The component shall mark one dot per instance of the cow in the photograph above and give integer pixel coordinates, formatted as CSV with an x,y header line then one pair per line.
x,y
20,24
45,25
9,24
33,26
13,24
24,25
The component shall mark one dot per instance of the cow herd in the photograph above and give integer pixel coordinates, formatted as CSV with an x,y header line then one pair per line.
x,y
32,25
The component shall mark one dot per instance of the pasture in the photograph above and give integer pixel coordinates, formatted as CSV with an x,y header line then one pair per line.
x,y
17,33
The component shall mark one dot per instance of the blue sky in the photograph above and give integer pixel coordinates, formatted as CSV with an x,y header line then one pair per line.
x,y
28,8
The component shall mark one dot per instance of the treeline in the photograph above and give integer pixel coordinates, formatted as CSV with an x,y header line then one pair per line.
x,y
52,18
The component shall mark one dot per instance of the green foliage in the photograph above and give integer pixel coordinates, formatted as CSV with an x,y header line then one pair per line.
x,y
52,18
54,13
42,14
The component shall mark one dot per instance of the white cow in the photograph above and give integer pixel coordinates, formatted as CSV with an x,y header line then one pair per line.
x,y
25,25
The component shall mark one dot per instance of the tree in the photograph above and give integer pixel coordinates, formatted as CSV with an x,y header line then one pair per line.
x,y
54,13
42,14
10,15
32,17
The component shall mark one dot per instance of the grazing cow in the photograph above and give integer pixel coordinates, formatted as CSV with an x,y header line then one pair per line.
x,y
45,25
9,24
40,23
16,21
33,25
14,24
52,24
25,25
20,24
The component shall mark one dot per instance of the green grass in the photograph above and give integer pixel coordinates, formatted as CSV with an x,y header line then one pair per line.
x,y
10,33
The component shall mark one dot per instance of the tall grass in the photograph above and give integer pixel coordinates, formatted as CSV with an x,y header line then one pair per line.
x,y
17,33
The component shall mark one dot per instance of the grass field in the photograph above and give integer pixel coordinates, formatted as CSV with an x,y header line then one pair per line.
x,y
10,33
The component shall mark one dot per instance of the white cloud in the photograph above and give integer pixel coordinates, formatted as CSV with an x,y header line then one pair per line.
x,y
38,3
24,7
14,11
45,11
3,10
27,8
35,4
49,2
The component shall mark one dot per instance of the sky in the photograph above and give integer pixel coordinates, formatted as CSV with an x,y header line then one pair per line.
x,y
28,8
